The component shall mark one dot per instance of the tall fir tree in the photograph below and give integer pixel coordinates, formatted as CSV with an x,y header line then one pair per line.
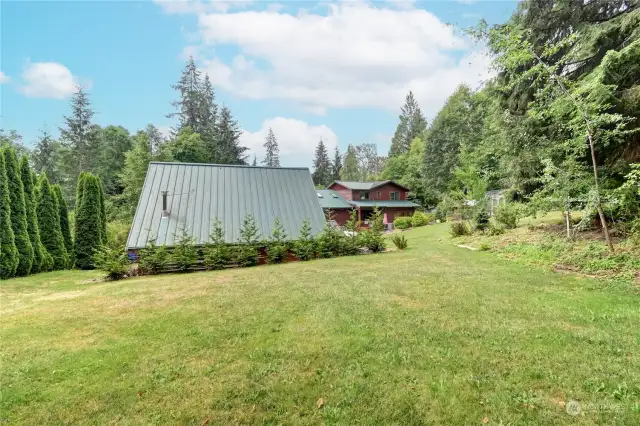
x,y
350,170
88,226
190,104
336,165
9,256
49,223
45,156
412,124
63,210
103,212
208,118
42,260
321,165
272,156
18,213
255,161
228,134
77,134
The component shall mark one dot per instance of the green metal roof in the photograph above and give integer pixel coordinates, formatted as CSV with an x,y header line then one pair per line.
x,y
200,193
366,186
384,203
329,199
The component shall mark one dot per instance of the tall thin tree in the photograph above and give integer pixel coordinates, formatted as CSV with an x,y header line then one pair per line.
x,y
336,165
9,256
272,156
321,165
42,260
63,210
412,124
49,222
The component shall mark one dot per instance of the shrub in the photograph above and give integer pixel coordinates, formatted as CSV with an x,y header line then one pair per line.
x,y
49,224
247,253
112,261
330,242
399,241
421,219
117,233
153,259
372,238
216,254
481,220
458,229
495,229
88,222
8,250
303,248
184,255
508,215
42,260
277,249
64,218
351,242
402,222
18,213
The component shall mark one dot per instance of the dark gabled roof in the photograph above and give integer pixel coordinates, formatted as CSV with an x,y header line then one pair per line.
x,y
200,193
329,199
384,203
366,186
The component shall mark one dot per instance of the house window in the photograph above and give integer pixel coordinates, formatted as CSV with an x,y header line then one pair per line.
x,y
364,195
394,195
378,195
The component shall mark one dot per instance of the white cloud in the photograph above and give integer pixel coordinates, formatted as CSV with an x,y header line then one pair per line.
x,y
48,80
4,78
358,55
201,6
297,140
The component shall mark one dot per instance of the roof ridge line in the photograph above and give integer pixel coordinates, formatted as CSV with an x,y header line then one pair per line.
x,y
226,165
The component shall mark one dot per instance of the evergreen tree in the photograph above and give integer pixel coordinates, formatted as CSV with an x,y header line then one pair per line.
x,y
350,170
77,136
45,156
190,104
132,176
42,260
88,229
321,165
64,218
103,212
255,161
228,139
336,166
18,213
209,115
272,156
115,142
8,251
49,223
412,124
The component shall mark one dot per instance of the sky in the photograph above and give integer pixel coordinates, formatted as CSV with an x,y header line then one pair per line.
x,y
336,70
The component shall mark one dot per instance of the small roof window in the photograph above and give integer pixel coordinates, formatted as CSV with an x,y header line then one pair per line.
x,y
319,195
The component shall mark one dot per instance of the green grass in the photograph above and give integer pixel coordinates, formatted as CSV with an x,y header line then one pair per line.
x,y
435,334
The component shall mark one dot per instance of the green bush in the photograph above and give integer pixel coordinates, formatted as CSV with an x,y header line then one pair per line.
x,y
508,215
88,222
399,241
458,229
421,219
304,247
184,255
153,259
217,254
277,249
481,220
112,261
495,230
42,260
372,238
246,254
402,222
117,233
330,243
64,218
49,224
9,256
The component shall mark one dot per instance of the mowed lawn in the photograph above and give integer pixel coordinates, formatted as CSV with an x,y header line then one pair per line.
x,y
435,334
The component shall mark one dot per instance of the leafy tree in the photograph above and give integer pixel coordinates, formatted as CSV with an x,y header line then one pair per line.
x,y
321,165
115,143
336,165
186,147
132,176
18,212
12,139
271,158
370,165
64,218
49,224
350,171
88,222
9,256
412,124
42,260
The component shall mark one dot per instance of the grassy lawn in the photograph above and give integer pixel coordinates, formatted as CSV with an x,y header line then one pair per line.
x,y
435,334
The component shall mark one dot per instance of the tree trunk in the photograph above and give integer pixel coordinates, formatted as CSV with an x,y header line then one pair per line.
x,y
567,215
603,221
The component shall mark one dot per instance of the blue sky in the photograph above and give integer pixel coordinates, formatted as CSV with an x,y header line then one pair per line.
x,y
337,70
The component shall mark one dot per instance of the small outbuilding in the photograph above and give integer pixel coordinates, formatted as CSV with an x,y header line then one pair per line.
x,y
188,197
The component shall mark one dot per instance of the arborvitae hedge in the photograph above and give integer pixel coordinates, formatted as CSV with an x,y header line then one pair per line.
x,y
8,251
88,229
42,261
49,222
18,213
64,218
103,213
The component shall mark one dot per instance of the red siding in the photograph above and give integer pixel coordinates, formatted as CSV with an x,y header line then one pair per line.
x,y
345,192
341,216
385,190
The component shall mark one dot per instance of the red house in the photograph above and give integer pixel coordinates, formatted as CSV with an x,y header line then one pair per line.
x,y
342,196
